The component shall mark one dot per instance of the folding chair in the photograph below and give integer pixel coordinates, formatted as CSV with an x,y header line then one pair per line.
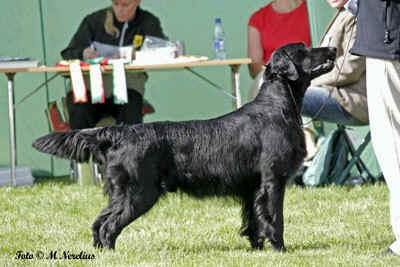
x,y
355,153
357,142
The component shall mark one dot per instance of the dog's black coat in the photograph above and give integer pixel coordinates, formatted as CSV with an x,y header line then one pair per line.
x,y
249,153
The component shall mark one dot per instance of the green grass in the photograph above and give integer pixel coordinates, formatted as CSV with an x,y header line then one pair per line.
x,y
332,226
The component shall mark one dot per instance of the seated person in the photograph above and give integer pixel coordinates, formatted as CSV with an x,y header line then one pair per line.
x,y
116,25
340,95
278,23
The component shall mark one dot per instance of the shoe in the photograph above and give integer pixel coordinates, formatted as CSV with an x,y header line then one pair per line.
x,y
386,252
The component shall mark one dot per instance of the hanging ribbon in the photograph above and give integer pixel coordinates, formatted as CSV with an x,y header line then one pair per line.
x,y
120,91
78,84
96,84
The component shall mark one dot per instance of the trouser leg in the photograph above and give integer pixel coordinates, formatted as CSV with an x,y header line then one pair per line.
x,y
82,115
86,115
383,91
130,113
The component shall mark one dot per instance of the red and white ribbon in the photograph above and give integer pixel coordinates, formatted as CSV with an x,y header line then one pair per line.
x,y
78,83
96,84
120,91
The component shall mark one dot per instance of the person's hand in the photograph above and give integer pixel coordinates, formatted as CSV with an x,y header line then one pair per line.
x,y
89,53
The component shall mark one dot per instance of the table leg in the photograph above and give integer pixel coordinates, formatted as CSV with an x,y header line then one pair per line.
x,y
236,86
11,113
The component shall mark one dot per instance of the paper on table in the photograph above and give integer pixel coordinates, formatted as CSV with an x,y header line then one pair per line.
x,y
112,51
8,58
17,62
183,59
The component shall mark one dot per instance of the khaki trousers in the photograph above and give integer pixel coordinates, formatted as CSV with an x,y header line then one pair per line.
x,y
383,93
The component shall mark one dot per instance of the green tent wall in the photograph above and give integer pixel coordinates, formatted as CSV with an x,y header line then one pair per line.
x,y
41,29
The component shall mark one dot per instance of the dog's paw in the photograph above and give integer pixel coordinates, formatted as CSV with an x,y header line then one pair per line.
x,y
107,239
97,244
245,232
278,246
96,239
257,244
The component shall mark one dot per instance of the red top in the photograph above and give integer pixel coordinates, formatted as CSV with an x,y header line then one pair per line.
x,y
277,29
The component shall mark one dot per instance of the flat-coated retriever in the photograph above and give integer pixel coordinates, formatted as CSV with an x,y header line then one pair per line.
x,y
249,153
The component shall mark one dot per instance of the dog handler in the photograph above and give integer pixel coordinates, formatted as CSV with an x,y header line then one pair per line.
x,y
378,38
117,26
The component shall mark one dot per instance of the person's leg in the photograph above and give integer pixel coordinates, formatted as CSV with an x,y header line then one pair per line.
x,y
81,116
383,93
130,113
319,105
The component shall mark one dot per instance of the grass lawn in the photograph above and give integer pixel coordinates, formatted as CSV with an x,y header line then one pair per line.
x,y
332,226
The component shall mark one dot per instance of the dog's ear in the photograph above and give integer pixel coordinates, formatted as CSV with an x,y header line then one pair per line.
x,y
283,65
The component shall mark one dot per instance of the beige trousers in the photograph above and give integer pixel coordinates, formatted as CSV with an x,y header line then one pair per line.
x,y
383,92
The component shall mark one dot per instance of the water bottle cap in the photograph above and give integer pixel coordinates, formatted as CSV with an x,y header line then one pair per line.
x,y
218,20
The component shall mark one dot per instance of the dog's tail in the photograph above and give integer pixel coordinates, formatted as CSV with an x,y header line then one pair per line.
x,y
77,144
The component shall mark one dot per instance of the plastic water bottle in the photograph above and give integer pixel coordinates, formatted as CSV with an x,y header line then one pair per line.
x,y
219,40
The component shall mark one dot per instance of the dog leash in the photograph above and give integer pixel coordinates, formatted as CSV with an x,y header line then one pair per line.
x,y
293,99
300,121
298,115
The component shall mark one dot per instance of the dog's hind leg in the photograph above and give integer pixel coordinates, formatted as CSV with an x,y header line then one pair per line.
x,y
128,202
274,210
248,223
123,213
97,224
268,212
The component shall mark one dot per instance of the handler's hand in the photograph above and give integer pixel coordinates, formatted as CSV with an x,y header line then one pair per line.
x,y
89,53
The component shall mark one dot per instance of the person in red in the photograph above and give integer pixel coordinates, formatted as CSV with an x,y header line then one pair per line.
x,y
278,23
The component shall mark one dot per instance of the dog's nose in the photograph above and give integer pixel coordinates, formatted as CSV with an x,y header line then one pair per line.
x,y
332,49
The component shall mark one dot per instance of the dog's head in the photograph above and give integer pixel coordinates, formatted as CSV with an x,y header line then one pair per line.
x,y
296,61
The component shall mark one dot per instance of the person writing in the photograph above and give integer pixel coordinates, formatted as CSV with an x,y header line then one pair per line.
x,y
278,23
378,39
116,26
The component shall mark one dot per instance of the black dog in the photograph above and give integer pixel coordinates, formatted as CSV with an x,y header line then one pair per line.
x,y
249,153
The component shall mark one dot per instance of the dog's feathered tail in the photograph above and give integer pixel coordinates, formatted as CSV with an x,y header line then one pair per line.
x,y
76,144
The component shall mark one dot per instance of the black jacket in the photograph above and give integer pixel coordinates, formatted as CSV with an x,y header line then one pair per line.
x,y
378,29
92,29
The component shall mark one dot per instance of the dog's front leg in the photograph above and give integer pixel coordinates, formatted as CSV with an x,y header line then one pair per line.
x,y
96,227
248,222
276,192
260,218
268,213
